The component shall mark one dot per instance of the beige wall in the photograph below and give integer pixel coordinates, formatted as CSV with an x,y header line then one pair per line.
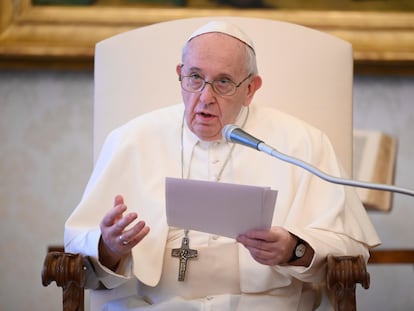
x,y
46,159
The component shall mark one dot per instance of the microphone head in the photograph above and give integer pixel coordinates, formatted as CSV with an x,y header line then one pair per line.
x,y
235,134
227,130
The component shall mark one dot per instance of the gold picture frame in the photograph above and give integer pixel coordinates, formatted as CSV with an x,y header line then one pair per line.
x,y
64,36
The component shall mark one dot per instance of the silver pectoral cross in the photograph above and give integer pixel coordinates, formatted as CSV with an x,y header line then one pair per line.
x,y
184,253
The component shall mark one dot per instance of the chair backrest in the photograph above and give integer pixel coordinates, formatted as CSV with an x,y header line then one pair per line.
x,y
305,72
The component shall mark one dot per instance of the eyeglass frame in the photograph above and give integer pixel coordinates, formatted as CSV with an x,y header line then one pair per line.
x,y
236,85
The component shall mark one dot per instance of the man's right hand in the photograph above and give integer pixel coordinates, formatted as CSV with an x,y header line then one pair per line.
x,y
116,240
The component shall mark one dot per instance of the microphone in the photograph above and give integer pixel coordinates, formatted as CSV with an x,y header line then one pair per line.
x,y
235,134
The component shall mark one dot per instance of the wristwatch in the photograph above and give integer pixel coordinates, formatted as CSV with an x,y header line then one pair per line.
x,y
299,250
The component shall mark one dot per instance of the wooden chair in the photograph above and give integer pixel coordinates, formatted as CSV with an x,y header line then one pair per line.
x,y
343,275
305,72
68,271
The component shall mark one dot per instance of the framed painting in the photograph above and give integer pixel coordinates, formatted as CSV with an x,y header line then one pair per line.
x,y
63,33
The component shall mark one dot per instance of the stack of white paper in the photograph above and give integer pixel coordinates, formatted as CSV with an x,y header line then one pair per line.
x,y
218,208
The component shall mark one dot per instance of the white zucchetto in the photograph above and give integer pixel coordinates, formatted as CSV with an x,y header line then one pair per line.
x,y
225,28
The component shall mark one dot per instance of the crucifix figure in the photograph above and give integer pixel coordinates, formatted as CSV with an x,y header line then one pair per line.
x,y
184,253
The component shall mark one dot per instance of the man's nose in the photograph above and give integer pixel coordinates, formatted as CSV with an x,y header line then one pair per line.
x,y
207,93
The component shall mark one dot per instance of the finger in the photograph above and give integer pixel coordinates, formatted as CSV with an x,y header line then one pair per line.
x,y
117,238
119,199
135,234
253,243
266,235
119,204
114,215
266,257
122,223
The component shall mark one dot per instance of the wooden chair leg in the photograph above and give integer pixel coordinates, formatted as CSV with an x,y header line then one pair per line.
x,y
68,271
344,272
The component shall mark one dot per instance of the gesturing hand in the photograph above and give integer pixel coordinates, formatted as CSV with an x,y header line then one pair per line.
x,y
116,240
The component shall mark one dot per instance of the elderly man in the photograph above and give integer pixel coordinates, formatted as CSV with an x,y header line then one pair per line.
x,y
261,269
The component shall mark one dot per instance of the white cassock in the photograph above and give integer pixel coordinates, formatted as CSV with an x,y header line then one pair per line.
x,y
134,162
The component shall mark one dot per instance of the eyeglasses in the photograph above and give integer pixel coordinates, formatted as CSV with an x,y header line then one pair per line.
x,y
194,83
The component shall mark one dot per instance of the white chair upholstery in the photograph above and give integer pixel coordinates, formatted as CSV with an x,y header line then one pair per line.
x,y
305,72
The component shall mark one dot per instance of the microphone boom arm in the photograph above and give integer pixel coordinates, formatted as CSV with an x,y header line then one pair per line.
x,y
235,134
342,181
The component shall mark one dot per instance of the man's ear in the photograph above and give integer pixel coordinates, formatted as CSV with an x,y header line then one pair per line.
x,y
254,84
257,81
178,69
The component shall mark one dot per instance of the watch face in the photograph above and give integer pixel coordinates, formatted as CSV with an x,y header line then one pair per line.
x,y
300,250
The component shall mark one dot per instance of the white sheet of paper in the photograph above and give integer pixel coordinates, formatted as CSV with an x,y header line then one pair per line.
x,y
218,208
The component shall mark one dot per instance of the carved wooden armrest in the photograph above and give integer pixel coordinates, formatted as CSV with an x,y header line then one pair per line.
x,y
68,271
343,273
